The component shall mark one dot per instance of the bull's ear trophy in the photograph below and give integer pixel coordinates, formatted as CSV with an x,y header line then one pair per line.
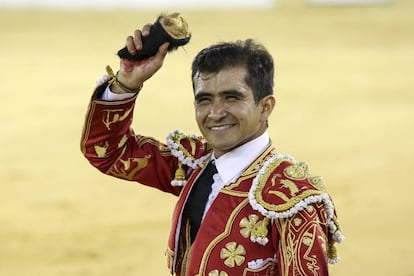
x,y
170,27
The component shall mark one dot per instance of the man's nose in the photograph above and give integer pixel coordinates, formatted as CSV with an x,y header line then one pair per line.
x,y
217,110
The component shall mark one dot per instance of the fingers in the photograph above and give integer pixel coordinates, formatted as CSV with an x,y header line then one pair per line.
x,y
134,73
130,44
134,43
137,40
146,29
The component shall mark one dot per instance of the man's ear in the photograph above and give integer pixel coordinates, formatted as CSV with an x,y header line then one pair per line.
x,y
267,104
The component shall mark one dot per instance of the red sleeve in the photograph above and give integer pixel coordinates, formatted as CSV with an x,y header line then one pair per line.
x,y
110,145
302,247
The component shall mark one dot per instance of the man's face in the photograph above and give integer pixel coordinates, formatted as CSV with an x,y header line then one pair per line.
x,y
226,112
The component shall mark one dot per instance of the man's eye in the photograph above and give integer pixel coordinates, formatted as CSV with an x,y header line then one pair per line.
x,y
231,98
202,100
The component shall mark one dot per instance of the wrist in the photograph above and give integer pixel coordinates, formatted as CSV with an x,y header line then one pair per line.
x,y
120,87
117,89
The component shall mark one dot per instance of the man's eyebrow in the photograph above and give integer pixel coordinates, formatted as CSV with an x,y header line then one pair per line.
x,y
201,94
232,92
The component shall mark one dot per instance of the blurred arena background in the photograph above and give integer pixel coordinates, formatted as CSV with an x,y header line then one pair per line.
x,y
344,88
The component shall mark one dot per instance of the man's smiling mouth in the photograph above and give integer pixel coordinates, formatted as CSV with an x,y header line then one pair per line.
x,y
222,127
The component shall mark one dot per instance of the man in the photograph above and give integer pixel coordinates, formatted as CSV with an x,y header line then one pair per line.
x,y
242,208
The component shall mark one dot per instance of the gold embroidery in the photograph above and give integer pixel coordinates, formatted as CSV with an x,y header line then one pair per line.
x,y
296,244
274,177
215,241
289,202
116,116
323,242
307,239
122,141
254,229
217,273
143,141
279,194
258,164
293,188
232,188
101,150
317,182
310,208
286,183
332,254
125,172
248,225
188,247
178,136
260,230
232,254
297,171
193,147
228,191
170,257
297,222
249,172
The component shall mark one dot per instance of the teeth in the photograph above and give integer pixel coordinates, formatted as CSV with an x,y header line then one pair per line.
x,y
220,127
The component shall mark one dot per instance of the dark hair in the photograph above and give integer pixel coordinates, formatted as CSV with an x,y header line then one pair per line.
x,y
248,53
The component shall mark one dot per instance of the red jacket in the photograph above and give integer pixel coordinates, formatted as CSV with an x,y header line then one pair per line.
x,y
276,219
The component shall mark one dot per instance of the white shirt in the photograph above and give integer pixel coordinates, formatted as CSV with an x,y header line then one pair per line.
x,y
243,156
108,95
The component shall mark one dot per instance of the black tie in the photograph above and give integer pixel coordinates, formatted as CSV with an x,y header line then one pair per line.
x,y
198,198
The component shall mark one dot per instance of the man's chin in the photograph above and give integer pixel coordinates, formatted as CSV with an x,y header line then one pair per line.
x,y
221,148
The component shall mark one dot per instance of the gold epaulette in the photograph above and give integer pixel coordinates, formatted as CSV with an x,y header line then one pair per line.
x,y
283,187
190,150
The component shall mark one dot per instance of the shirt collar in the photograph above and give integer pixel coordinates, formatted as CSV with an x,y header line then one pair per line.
x,y
243,156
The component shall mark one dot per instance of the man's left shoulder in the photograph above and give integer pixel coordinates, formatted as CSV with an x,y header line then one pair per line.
x,y
285,186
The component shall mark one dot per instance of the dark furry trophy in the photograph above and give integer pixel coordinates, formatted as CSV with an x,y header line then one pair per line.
x,y
170,28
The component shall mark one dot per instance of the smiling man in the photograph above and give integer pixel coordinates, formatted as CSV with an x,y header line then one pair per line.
x,y
226,111
242,207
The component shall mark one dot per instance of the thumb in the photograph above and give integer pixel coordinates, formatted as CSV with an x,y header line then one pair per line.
x,y
158,59
162,51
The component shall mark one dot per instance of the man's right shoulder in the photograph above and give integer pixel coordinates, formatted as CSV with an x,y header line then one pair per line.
x,y
190,149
